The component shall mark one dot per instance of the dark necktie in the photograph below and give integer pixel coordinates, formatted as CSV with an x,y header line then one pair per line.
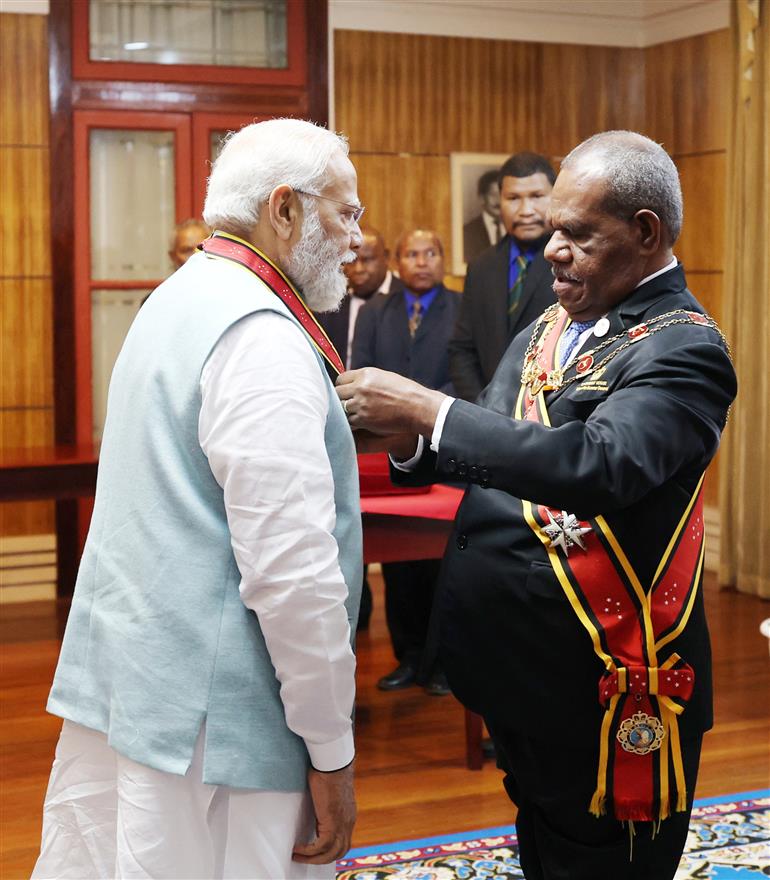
x,y
514,294
415,318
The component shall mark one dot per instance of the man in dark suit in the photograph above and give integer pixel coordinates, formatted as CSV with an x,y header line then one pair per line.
x,y
408,332
509,285
571,611
367,274
487,228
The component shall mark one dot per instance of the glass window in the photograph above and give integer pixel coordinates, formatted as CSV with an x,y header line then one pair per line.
x,y
232,33
132,203
112,312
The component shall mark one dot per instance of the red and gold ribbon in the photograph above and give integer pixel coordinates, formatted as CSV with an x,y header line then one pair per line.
x,y
230,247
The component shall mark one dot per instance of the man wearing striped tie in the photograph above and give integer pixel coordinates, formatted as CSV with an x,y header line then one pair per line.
x,y
509,284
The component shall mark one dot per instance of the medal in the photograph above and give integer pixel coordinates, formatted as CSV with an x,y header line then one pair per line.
x,y
564,530
602,327
641,734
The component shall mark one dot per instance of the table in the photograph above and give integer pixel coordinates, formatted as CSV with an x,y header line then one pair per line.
x,y
401,527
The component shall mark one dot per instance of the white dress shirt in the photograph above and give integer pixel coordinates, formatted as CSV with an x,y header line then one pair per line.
x,y
438,425
495,229
263,412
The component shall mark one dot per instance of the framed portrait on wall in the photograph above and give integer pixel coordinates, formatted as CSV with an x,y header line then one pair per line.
x,y
476,223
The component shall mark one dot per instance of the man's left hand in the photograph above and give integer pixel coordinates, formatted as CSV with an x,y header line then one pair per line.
x,y
386,403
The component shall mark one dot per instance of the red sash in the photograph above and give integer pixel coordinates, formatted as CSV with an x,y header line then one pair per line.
x,y
230,247
628,625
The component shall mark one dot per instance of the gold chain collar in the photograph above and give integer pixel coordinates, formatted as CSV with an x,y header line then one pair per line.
x,y
536,380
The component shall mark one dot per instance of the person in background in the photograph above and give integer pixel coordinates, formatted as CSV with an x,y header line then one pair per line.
x,y
509,285
487,228
367,274
408,332
571,608
206,676
185,238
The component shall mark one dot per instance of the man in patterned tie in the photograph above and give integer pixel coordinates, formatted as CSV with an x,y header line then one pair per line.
x,y
509,285
570,603
408,332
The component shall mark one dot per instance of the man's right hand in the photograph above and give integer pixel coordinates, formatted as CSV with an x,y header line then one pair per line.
x,y
334,803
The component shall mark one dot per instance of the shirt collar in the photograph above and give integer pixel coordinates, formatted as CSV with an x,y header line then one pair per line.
x,y
667,268
426,299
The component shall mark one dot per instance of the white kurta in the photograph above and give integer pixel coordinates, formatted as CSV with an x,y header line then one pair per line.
x,y
261,425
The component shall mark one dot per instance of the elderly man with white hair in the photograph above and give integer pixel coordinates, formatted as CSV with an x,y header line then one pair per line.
x,y
206,676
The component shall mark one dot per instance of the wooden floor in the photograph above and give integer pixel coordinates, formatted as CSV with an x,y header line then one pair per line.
x,y
412,780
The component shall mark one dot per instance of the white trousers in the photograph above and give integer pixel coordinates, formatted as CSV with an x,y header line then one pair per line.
x,y
107,817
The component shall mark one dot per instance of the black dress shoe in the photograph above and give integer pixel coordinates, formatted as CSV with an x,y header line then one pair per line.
x,y
437,685
403,676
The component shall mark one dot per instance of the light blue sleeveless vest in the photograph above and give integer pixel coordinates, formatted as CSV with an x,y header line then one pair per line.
x,y
158,640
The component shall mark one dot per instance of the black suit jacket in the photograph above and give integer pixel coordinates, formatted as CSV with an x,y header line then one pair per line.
x,y
382,338
475,238
336,324
511,644
482,335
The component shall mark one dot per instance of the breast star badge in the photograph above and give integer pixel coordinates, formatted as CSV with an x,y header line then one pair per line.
x,y
564,531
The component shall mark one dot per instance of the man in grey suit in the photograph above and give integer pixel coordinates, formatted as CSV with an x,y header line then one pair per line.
x,y
509,285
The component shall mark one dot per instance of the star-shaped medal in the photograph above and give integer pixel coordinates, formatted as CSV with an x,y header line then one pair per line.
x,y
564,530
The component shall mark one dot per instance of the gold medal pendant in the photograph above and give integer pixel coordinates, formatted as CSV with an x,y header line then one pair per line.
x,y
641,734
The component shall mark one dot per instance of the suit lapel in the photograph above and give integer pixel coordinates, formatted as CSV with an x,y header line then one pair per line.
x,y
496,298
432,316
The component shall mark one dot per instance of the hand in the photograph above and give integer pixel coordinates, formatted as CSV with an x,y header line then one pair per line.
x,y
334,802
386,403
400,446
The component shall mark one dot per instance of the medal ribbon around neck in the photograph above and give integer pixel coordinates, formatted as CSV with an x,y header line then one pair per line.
x,y
230,247
628,626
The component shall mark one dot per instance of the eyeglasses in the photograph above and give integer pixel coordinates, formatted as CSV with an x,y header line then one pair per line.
x,y
357,212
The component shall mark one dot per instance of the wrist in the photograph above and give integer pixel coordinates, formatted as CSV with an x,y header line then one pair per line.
x,y
425,411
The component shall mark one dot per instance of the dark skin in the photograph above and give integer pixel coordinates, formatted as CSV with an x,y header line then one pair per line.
x,y
597,259
420,259
524,203
368,271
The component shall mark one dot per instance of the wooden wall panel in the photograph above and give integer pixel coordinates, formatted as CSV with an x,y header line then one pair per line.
x,y
687,93
411,93
424,202
707,289
420,94
701,246
26,373
26,344
24,212
23,79
587,89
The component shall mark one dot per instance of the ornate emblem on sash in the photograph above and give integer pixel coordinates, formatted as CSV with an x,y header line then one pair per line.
x,y
641,734
565,530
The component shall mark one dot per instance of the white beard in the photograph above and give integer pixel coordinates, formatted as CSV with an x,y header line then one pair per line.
x,y
315,266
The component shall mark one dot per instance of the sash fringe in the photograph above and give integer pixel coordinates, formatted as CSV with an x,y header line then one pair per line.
x,y
598,805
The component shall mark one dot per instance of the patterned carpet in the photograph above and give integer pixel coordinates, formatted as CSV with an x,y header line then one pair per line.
x,y
729,840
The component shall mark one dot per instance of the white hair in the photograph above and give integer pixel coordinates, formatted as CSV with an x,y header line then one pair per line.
x,y
260,157
638,173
